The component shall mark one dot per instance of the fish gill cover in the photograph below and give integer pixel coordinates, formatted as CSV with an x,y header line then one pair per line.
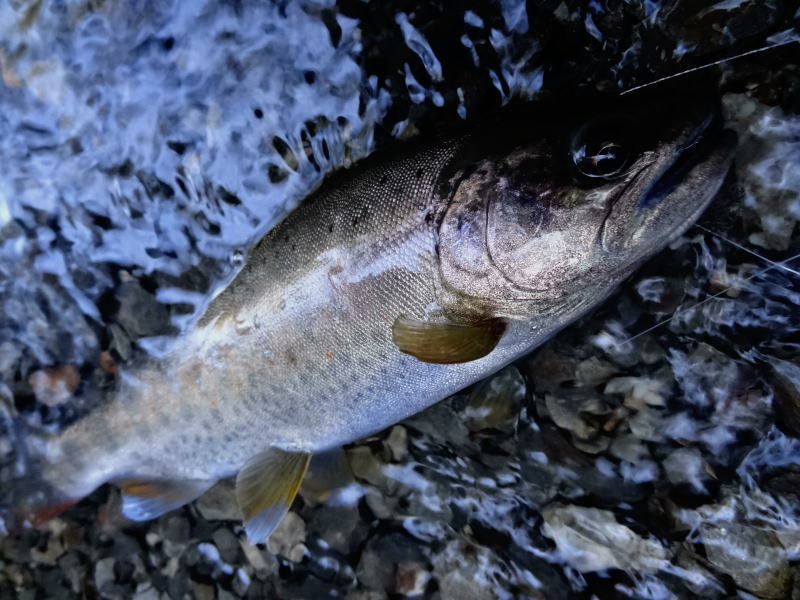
x,y
145,145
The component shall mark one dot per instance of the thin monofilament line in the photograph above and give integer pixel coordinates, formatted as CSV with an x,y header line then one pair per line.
x,y
701,67
756,254
774,265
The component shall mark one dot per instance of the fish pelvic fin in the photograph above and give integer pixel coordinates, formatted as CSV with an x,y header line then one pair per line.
x,y
446,343
27,498
327,472
145,500
266,487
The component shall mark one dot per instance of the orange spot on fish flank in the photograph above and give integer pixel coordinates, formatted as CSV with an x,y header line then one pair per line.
x,y
213,404
328,354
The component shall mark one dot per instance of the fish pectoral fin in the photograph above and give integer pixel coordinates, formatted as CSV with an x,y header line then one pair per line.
x,y
144,500
446,343
265,489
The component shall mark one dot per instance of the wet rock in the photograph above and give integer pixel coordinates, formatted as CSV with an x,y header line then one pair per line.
x,y
367,466
104,574
593,371
328,566
146,591
174,534
54,385
647,425
789,537
590,539
695,577
203,591
241,582
628,447
16,548
381,506
340,527
549,369
785,380
373,572
365,595
495,402
207,562
753,557
568,409
397,442
219,503
593,446
55,547
264,563
442,423
461,568
376,568
686,467
139,313
638,392
766,166
289,537
661,295
410,579
227,543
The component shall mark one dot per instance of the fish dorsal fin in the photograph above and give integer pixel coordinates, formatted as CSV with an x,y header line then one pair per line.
x,y
446,343
145,500
265,488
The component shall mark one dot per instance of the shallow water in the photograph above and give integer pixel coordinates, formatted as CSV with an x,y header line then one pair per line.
x,y
146,145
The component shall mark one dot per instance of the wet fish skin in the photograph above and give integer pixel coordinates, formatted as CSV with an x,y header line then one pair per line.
x,y
298,355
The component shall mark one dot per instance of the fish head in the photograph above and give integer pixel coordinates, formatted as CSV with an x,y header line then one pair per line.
x,y
578,207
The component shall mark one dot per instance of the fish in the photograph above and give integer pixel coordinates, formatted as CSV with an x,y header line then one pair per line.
x,y
399,282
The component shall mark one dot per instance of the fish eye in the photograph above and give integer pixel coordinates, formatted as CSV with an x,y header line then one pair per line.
x,y
602,149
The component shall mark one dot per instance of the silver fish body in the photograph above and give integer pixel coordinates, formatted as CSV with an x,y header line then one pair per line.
x,y
329,331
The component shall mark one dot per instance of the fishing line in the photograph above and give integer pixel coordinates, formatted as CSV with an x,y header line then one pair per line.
x,y
708,299
756,254
712,64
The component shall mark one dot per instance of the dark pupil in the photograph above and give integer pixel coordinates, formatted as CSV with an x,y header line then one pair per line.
x,y
600,159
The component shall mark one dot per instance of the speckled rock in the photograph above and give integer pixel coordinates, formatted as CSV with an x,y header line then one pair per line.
x,y
754,557
592,540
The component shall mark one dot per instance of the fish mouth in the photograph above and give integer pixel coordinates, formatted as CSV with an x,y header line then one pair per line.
x,y
701,142
677,193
